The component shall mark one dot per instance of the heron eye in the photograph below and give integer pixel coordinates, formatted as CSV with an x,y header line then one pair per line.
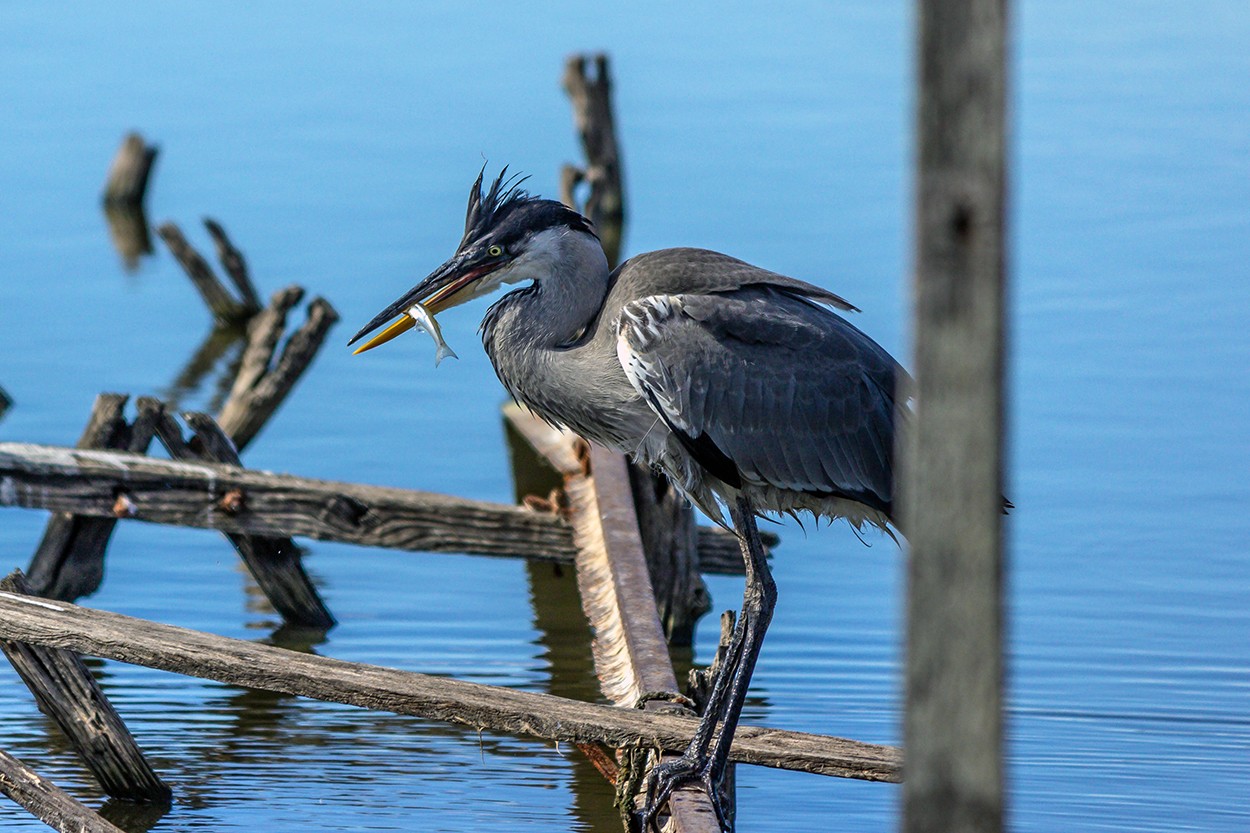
x,y
495,251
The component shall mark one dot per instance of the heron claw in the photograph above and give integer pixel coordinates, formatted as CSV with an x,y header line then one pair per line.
x,y
668,776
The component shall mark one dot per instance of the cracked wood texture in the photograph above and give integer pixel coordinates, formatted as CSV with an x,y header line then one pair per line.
x,y
87,482
952,483
48,802
236,662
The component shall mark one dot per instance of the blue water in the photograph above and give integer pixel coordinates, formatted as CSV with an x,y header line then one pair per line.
x,y
336,143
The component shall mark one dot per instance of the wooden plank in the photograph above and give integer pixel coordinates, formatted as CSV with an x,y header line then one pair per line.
x,y
952,484
630,651
236,662
68,693
48,802
87,482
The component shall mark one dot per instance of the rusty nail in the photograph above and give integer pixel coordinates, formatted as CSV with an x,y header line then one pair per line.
x,y
231,502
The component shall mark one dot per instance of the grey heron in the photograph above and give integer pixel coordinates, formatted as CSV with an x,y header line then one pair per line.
x,y
739,384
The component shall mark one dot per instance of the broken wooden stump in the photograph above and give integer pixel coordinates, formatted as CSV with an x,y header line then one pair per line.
x,y
67,692
87,482
129,172
6,402
262,384
69,561
273,560
48,802
494,708
591,97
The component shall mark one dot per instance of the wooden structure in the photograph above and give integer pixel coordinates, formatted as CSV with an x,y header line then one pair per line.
x,y
952,482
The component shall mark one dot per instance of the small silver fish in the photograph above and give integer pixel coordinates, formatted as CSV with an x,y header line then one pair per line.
x,y
425,321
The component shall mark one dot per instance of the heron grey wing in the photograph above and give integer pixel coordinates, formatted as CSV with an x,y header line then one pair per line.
x,y
767,389
701,271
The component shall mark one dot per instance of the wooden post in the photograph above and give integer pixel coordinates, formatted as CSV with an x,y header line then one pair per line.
x,y
69,561
494,708
591,96
273,560
129,173
951,488
48,802
68,693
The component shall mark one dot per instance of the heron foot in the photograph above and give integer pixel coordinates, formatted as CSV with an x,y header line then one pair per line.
x,y
668,776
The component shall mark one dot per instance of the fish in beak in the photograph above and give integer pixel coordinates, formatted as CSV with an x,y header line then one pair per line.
x,y
455,282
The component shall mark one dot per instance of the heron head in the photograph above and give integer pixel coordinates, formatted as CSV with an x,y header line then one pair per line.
x,y
509,236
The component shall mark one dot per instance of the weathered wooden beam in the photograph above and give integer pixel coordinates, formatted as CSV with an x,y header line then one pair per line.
x,y
236,662
273,560
67,692
952,483
69,561
48,802
630,651
591,97
89,482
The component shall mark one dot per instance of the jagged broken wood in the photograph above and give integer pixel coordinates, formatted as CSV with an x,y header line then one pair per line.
x,y
129,172
87,482
262,384
67,692
236,662
226,309
48,802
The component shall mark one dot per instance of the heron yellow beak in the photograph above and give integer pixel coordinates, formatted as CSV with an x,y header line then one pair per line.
x,y
398,327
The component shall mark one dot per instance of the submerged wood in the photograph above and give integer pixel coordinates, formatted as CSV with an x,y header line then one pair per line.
x,y
129,172
48,802
69,561
88,482
236,662
273,560
67,692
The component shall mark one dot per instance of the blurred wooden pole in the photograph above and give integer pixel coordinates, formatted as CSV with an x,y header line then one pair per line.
x,y
129,172
951,495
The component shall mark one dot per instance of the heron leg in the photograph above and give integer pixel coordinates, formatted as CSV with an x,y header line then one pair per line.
x,y
707,755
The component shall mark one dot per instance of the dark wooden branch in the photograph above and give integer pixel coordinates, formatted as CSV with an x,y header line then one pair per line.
x,y
952,484
129,172
232,661
67,692
226,309
69,561
184,494
48,802
273,560
591,97
232,261
261,384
